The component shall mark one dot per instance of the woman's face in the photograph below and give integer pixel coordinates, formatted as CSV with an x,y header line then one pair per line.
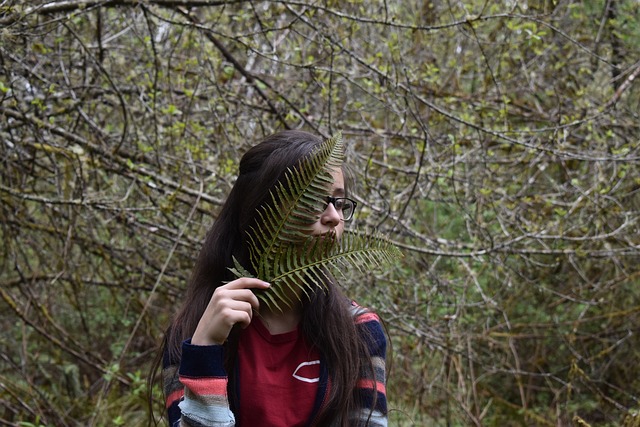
x,y
331,219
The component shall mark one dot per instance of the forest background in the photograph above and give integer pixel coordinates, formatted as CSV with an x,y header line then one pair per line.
x,y
496,142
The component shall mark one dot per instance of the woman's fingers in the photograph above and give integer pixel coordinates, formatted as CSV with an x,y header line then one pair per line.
x,y
221,295
246,283
232,311
232,303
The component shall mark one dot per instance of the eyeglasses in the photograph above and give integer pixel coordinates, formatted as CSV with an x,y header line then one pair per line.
x,y
343,205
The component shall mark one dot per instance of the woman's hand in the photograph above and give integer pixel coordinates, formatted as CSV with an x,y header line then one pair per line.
x,y
230,304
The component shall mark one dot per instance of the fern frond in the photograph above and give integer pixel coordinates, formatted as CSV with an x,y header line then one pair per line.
x,y
282,251
295,204
318,260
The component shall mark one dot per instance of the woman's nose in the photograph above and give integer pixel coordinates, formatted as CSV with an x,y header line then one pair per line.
x,y
330,216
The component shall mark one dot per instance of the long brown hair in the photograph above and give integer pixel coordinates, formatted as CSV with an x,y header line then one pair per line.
x,y
327,320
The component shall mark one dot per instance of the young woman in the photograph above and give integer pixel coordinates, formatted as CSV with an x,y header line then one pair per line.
x,y
228,361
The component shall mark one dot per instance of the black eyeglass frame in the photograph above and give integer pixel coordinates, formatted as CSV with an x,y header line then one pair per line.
x,y
333,201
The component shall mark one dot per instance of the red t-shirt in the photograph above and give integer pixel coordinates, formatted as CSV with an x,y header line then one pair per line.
x,y
278,377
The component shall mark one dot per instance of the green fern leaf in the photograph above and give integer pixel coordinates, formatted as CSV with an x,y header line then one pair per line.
x,y
238,270
295,204
321,259
283,253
